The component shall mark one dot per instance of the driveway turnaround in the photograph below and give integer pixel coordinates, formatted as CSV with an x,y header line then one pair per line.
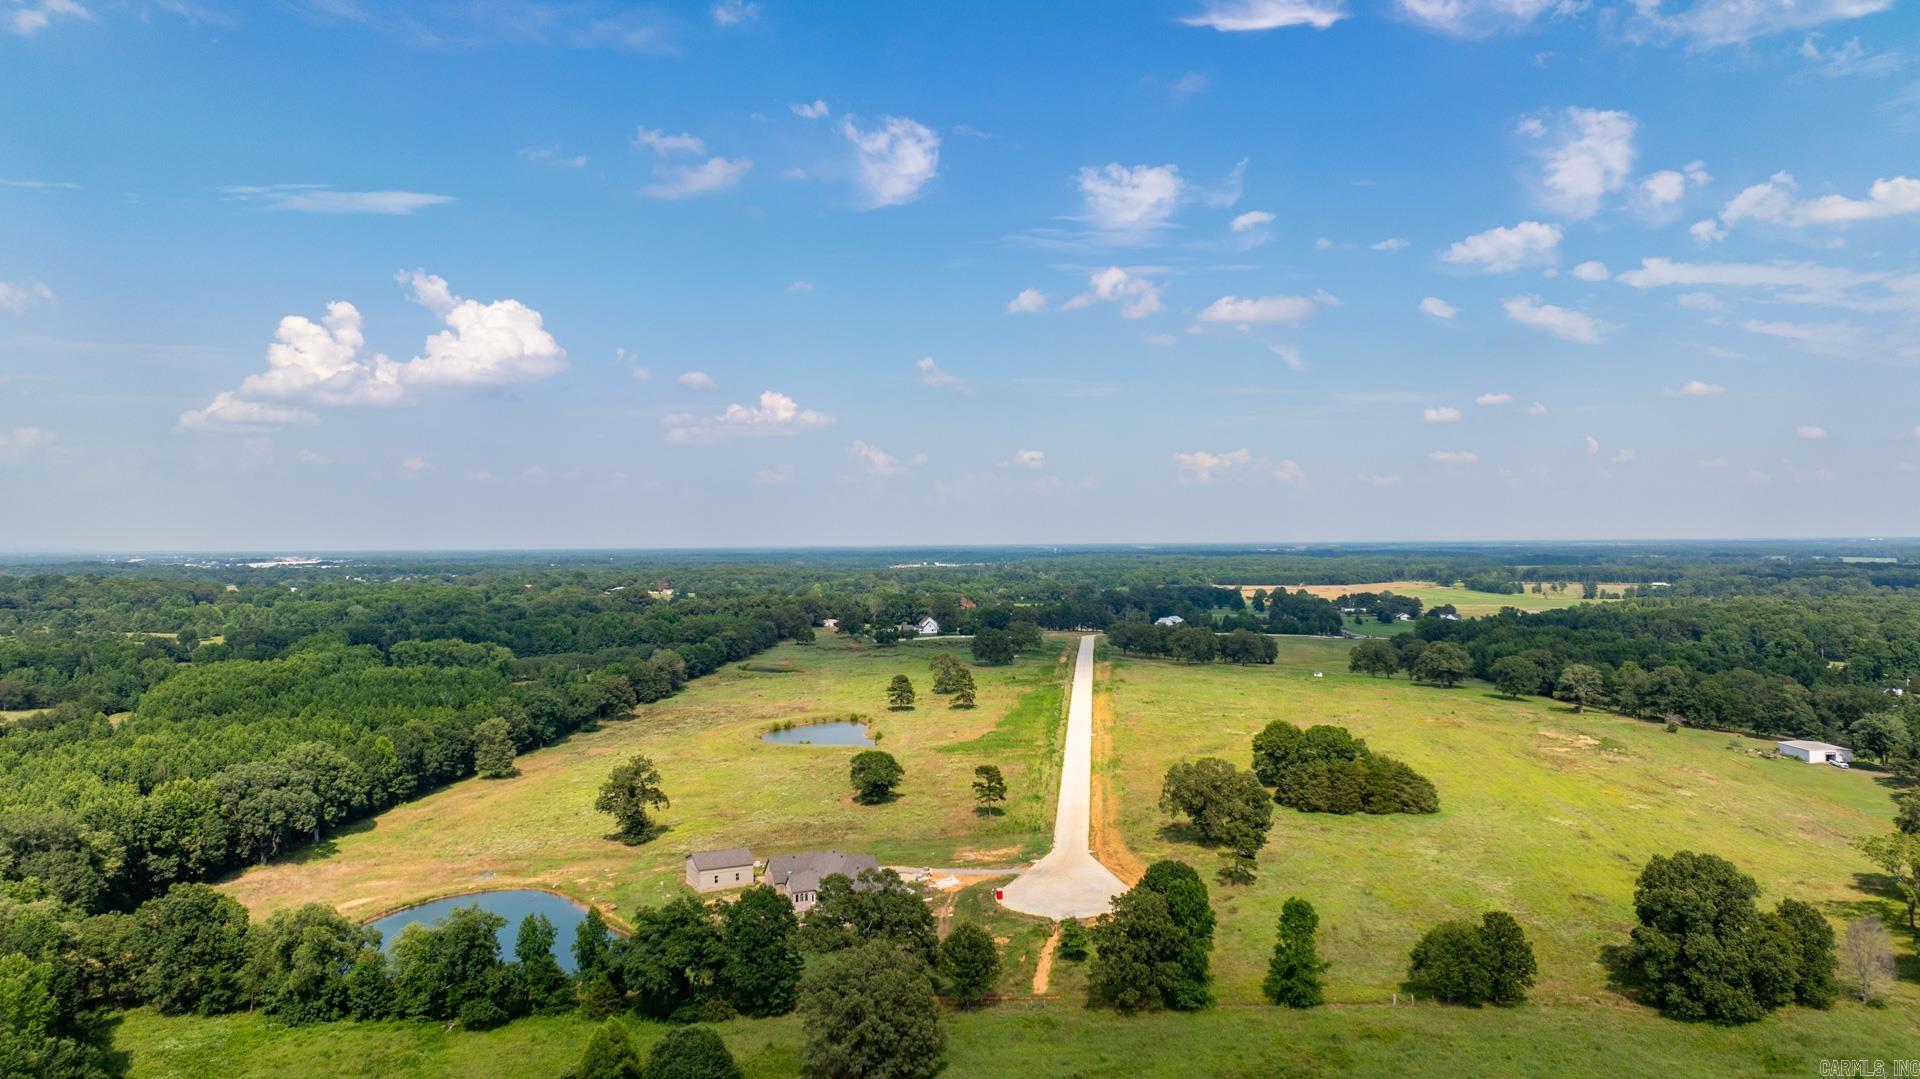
x,y
1069,882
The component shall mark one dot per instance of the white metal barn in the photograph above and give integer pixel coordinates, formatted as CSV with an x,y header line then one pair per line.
x,y
1815,752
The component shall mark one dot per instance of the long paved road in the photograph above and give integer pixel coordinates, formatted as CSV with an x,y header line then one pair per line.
x,y
1069,882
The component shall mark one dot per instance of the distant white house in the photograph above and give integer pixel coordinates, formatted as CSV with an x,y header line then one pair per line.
x,y
1815,752
1403,617
717,870
1449,616
1169,620
927,627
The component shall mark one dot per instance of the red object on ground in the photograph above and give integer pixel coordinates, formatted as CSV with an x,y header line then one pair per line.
x,y
999,893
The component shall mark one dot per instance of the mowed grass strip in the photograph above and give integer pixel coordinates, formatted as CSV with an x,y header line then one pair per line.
x,y
1545,814
1063,1037
728,788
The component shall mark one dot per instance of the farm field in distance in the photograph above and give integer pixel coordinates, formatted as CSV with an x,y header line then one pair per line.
x,y
728,788
1545,814
1469,602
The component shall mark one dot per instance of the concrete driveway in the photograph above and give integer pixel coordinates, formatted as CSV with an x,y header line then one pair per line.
x,y
1069,882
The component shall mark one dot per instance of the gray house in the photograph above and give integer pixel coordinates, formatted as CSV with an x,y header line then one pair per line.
x,y
718,870
798,876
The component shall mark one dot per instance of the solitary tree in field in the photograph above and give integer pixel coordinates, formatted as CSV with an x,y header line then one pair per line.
x,y
962,690
900,693
1373,657
1444,664
1516,676
989,787
629,792
1293,974
875,774
493,749
1869,955
946,672
992,647
1580,685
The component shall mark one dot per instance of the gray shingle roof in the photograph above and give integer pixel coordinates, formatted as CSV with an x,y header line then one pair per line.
x,y
803,872
707,860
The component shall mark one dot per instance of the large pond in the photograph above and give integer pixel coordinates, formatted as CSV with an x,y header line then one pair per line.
x,y
843,733
511,904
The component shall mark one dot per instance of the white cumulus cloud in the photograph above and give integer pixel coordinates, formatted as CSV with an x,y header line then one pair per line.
x,y
775,414
1504,250
932,375
1239,16
1031,459
1030,301
1250,220
23,440
710,177
1201,466
17,298
1454,457
894,161
1584,155
875,461
1559,321
1438,308
697,380
495,344
1494,399
663,144
1694,387
1590,271
1810,432
1441,414
1137,296
1131,203
1281,309
809,110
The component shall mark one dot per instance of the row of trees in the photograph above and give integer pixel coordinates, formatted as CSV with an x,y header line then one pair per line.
x,y
1190,643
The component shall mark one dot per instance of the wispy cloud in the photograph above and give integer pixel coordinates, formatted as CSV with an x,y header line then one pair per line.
x,y
320,199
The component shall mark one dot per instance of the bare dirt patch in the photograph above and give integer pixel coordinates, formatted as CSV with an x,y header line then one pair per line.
x,y
1043,970
1109,843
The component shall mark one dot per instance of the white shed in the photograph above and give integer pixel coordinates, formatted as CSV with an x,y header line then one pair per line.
x,y
1169,620
1815,752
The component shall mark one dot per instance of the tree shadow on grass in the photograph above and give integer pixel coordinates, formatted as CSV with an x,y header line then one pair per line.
x,y
656,832
1184,832
1624,977
99,1032
989,811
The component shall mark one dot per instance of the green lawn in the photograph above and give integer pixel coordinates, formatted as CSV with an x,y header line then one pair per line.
x,y
728,788
1061,1037
1545,814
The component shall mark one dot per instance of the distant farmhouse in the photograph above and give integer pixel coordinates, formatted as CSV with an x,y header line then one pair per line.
x,y
718,870
1169,620
927,627
798,876
1815,752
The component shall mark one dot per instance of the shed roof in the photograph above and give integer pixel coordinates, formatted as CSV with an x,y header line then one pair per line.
x,y
1801,743
705,860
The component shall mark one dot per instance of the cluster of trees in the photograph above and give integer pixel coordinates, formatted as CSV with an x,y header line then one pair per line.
x,y
225,761
1324,769
194,950
995,646
1441,663
1189,643
1154,950
1461,962
1777,666
1704,949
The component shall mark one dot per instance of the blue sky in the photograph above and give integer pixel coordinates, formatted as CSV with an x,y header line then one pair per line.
x,y
332,273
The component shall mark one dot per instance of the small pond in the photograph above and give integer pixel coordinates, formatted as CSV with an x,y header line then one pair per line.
x,y
843,733
512,904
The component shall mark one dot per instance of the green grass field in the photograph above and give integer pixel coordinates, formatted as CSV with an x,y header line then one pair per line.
x,y
1545,814
1063,1038
728,788
1471,604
